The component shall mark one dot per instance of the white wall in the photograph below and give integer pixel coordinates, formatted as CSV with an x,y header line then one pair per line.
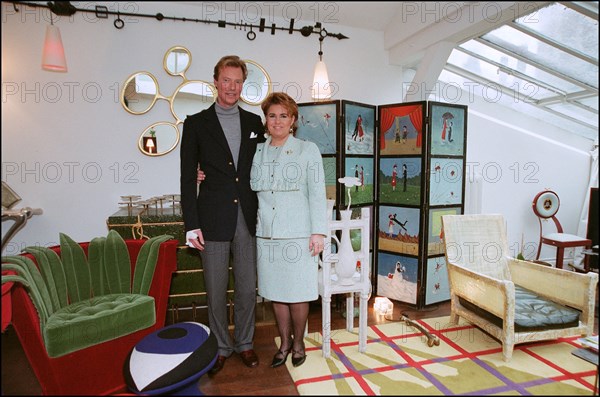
x,y
69,147
515,165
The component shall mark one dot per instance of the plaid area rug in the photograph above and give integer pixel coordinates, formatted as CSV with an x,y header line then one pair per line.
x,y
467,361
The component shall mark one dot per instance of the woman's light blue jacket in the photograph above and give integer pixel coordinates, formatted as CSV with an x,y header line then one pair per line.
x,y
290,189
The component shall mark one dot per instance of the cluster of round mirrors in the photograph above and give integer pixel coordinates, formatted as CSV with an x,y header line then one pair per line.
x,y
141,91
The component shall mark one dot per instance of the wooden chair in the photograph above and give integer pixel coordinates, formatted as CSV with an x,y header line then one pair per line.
x,y
515,301
545,206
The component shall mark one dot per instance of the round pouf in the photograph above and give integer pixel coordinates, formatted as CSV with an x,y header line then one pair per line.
x,y
171,360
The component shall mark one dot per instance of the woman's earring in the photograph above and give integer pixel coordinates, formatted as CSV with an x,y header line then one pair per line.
x,y
291,130
266,134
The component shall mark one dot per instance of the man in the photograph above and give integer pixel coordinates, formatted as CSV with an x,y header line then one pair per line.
x,y
220,214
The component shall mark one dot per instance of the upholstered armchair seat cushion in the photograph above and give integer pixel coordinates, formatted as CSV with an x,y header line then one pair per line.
x,y
96,320
533,312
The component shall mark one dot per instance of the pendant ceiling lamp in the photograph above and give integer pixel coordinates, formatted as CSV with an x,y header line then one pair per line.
x,y
320,88
53,56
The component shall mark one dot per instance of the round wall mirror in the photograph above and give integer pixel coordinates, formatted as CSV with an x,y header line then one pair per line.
x,y
139,93
258,84
177,60
192,97
159,139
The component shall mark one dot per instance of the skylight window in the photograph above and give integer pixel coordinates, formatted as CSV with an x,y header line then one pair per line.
x,y
547,60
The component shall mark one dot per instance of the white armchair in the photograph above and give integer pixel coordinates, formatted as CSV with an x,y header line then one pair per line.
x,y
513,300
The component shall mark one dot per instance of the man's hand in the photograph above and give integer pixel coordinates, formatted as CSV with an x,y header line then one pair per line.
x,y
195,239
201,176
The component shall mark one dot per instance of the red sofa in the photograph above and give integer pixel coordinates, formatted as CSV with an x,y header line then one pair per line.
x,y
98,369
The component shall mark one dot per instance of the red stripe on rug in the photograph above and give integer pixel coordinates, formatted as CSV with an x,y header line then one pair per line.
x,y
351,372
390,340
566,375
449,336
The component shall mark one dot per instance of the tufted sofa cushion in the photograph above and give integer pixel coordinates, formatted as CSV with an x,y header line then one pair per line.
x,y
96,320
532,312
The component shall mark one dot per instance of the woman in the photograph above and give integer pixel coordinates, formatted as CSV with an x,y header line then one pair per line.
x,y
288,176
361,132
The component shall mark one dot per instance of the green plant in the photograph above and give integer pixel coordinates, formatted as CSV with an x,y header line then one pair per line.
x,y
520,254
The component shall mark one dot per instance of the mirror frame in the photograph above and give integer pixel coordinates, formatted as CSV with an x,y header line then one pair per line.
x,y
143,134
178,89
122,94
267,77
169,51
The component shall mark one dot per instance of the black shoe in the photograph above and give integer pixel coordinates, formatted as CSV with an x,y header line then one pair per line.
x,y
249,358
219,364
280,357
298,361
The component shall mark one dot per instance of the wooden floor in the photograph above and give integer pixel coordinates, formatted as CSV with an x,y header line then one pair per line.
x,y
235,378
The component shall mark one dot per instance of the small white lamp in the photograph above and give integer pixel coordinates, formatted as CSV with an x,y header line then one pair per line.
x,y
150,145
383,306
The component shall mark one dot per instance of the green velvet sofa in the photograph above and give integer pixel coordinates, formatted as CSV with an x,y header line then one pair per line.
x,y
79,308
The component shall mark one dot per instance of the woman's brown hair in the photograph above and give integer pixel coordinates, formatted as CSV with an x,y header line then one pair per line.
x,y
283,99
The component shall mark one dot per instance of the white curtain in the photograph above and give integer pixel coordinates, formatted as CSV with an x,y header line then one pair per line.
x,y
583,219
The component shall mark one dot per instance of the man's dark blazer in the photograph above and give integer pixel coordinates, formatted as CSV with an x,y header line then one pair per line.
x,y
214,208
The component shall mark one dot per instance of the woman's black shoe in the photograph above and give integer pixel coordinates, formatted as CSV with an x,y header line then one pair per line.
x,y
298,361
277,360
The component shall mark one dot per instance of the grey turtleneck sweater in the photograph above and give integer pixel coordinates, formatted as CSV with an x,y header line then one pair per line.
x,y
230,122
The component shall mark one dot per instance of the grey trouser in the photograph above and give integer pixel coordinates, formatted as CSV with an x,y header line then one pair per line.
x,y
215,261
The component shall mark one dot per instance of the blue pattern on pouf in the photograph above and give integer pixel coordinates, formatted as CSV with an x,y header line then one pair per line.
x,y
170,358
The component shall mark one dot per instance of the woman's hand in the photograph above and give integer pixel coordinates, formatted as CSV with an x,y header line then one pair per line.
x,y
316,244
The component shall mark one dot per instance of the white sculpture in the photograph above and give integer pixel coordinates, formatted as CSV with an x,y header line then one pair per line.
x,y
345,268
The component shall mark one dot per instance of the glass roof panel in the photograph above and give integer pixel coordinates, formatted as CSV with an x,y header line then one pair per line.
x,y
576,112
497,76
565,26
537,51
519,65
553,59
456,81
590,102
